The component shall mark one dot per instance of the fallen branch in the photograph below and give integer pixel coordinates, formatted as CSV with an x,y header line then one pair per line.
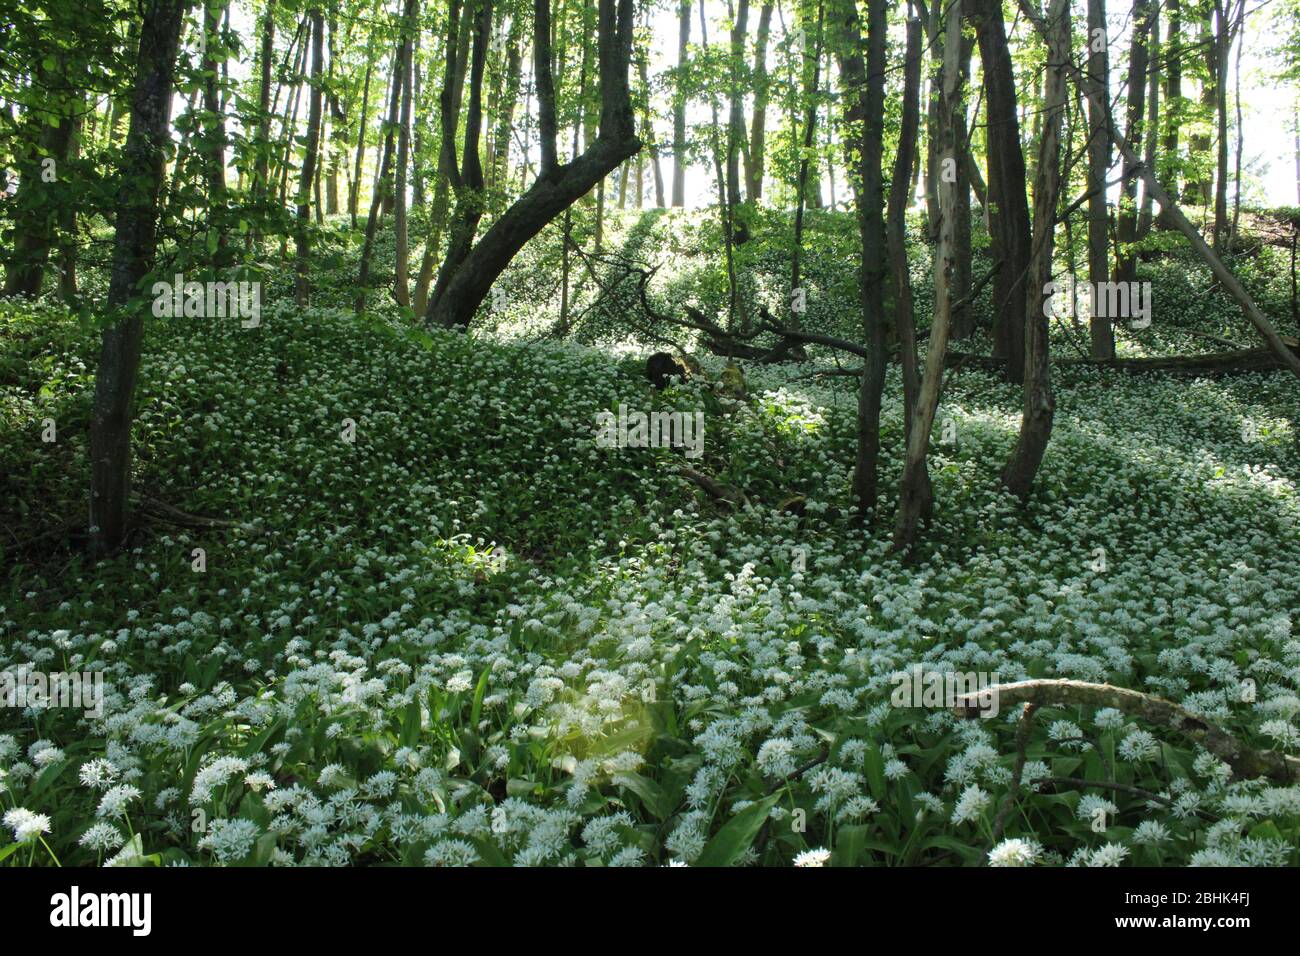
x,y
716,489
165,512
1244,761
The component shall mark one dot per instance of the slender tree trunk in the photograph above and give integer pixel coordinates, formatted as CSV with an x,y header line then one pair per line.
x,y
1126,221
679,103
1039,405
310,158
134,247
1100,332
900,195
1152,137
963,319
1174,107
915,494
736,115
1199,190
35,216
805,155
1222,44
214,146
381,181
401,240
363,119
647,125
758,124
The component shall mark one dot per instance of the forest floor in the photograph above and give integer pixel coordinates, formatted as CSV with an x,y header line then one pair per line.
x,y
449,628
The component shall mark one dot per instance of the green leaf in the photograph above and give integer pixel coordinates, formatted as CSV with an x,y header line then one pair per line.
x,y
736,835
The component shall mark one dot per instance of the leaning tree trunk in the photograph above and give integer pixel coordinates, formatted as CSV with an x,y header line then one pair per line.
x,y
135,243
1006,162
1100,332
557,186
310,160
915,494
466,179
1175,216
1039,406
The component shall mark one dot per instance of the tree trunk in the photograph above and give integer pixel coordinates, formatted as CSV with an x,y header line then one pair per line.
x,y
1152,136
651,142
557,186
915,494
381,181
214,145
1174,108
736,115
900,194
1175,216
310,158
134,246
1100,332
35,215
963,319
1222,43
679,103
401,288
758,125
864,118
1039,406
1126,221
1006,164
467,178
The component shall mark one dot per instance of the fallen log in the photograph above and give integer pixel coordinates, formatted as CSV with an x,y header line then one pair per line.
x,y
1245,761
1212,365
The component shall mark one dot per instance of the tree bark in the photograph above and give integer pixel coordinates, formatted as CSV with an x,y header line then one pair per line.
x,y
310,159
865,117
915,495
758,124
1175,216
900,192
1126,221
134,247
1100,332
1039,405
381,181
679,103
557,186
1006,166
401,287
